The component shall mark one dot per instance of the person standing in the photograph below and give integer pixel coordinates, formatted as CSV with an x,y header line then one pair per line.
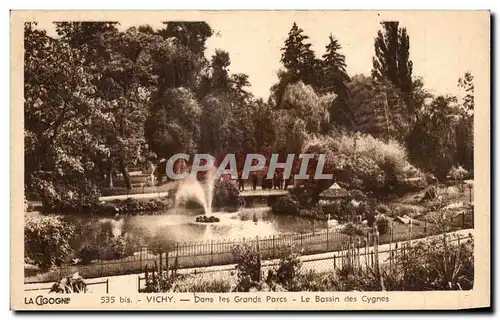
x,y
241,183
254,182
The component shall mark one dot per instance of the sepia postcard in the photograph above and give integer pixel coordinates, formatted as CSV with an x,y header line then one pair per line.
x,y
250,160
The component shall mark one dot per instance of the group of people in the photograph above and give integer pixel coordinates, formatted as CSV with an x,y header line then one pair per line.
x,y
277,182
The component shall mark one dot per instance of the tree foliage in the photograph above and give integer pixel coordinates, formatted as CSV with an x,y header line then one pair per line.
x,y
100,99
392,56
46,240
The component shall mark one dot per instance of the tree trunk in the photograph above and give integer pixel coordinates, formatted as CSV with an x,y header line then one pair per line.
x,y
102,174
126,177
110,177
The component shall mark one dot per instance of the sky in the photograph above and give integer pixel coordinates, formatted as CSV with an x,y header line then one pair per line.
x,y
443,45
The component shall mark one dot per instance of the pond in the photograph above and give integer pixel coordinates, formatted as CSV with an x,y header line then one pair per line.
x,y
179,225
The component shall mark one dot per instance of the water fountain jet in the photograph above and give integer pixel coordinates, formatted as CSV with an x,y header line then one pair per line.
x,y
192,189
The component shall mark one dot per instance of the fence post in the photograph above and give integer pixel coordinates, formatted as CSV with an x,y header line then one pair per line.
x,y
167,261
334,262
463,219
139,283
371,254
342,257
177,249
161,262
359,256
390,252
301,240
107,285
411,230
274,247
425,225
327,238
366,250
376,251
392,230
259,257
211,252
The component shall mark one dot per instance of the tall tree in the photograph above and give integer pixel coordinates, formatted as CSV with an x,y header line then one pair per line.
x,y
434,136
301,113
220,70
88,37
125,82
299,61
297,55
173,124
192,34
333,78
392,57
465,128
334,69
466,83
378,108
60,106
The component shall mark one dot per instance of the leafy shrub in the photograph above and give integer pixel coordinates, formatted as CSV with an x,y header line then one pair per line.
x,y
357,195
370,218
114,248
307,193
207,219
114,191
46,239
430,194
286,205
405,211
226,194
88,253
342,212
131,205
359,161
437,265
316,213
289,269
383,225
457,173
317,282
383,209
332,208
193,284
74,193
159,281
248,266
351,229
431,179
411,185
